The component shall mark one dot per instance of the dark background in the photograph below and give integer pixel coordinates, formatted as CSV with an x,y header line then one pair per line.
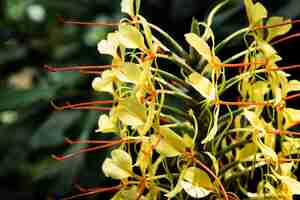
x,y
31,36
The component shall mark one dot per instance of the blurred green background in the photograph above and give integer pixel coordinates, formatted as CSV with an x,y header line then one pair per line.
x,y
31,36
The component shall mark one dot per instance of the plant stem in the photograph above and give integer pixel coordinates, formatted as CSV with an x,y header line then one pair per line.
x,y
229,38
181,52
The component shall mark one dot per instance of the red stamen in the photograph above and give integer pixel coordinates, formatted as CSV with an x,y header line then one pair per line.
x,y
105,144
86,105
285,38
164,121
92,108
111,24
233,65
95,191
69,141
292,96
283,68
84,150
77,68
283,132
244,103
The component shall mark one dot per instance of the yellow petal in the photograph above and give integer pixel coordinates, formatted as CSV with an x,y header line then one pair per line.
x,y
104,83
202,85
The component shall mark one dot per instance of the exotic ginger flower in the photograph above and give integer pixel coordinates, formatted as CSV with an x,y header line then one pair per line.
x,y
170,142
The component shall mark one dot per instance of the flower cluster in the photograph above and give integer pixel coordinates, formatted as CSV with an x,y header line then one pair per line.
x,y
178,135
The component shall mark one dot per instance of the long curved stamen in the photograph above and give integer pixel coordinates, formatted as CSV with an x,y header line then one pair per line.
x,y
69,141
244,103
105,144
283,132
77,68
295,35
92,108
84,150
85,106
110,24
95,191
237,65
292,96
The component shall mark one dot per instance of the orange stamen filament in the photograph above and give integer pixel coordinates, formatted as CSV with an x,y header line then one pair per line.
x,y
285,38
84,150
95,191
233,65
283,68
111,24
77,68
69,141
244,103
105,144
86,105
92,108
283,132
292,96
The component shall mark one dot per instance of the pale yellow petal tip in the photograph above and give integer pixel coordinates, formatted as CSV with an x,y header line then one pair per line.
x,y
105,124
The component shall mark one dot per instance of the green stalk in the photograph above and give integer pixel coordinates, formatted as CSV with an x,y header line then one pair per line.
x,y
181,52
229,38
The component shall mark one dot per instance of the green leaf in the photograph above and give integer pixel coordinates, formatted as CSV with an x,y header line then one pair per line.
x,y
279,30
119,166
130,37
58,121
170,144
196,183
202,85
200,45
